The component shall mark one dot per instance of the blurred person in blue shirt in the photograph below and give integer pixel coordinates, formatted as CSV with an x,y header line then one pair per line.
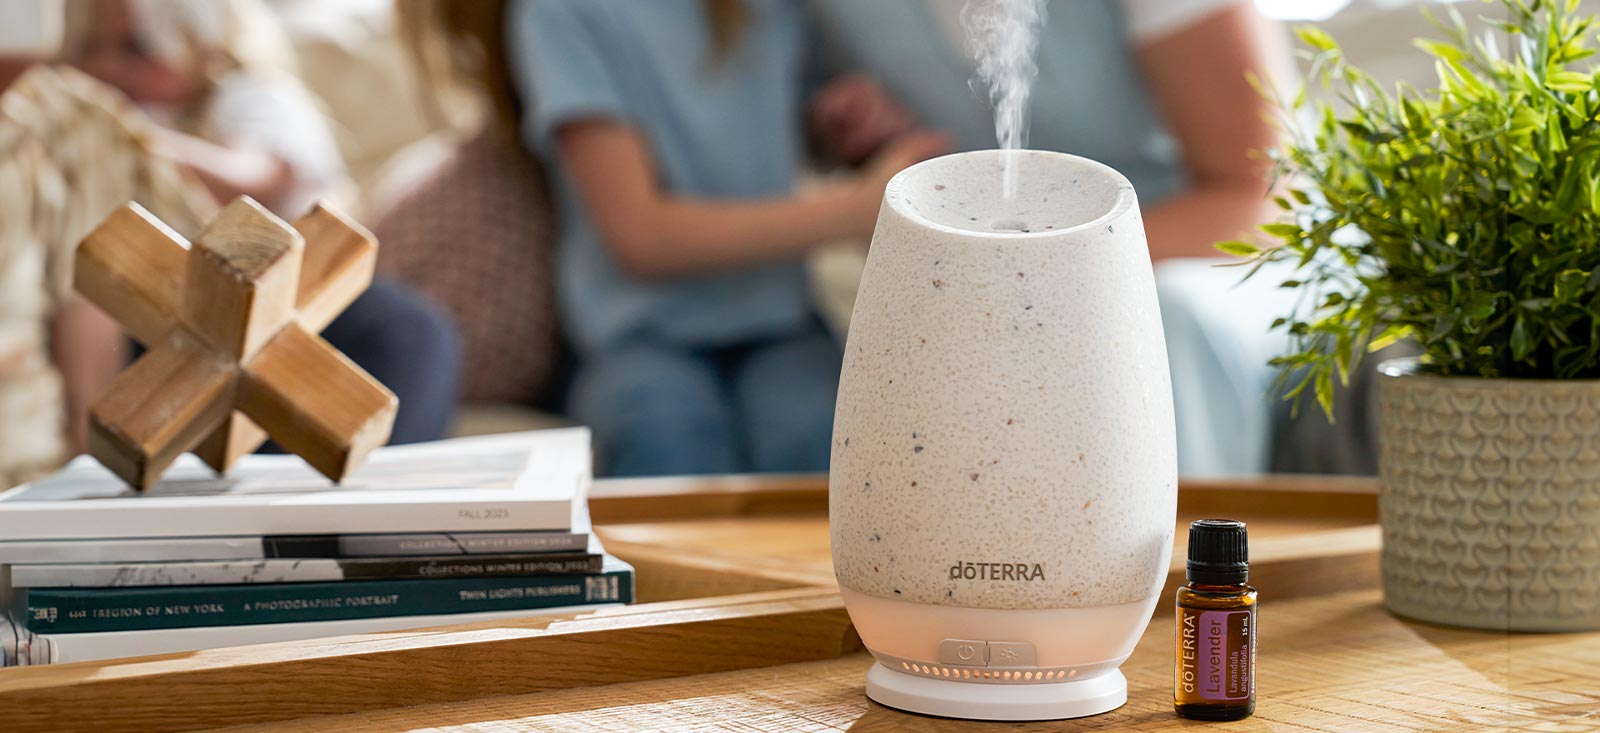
x,y
1159,90
675,130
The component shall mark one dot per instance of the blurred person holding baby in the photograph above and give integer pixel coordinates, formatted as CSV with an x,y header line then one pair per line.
x,y
218,78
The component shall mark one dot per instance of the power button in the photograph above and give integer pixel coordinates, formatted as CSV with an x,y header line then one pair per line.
x,y
964,652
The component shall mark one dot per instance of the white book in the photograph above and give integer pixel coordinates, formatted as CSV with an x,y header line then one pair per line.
x,y
513,482
298,570
266,547
109,573
19,647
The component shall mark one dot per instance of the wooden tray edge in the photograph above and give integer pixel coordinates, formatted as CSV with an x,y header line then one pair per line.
x,y
796,616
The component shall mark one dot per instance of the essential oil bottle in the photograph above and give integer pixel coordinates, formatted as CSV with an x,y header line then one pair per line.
x,y
1215,676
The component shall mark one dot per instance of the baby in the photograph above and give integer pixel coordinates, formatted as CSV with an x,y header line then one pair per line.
x,y
219,76
71,150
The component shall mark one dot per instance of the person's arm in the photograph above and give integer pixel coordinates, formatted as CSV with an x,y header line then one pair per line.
x,y
88,349
1198,78
654,234
229,172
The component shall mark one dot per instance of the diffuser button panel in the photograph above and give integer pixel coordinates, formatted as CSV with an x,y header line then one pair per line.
x,y
965,652
1011,654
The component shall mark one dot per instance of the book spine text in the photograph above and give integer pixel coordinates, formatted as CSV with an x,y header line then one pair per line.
x,y
123,609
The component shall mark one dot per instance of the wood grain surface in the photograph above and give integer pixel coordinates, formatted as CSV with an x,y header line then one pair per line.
x,y
1311,537
340,257
242,275
160,407
770,650
316,402
1334,663
377,671
132,267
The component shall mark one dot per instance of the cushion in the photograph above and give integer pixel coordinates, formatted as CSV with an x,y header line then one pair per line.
x,y
475,235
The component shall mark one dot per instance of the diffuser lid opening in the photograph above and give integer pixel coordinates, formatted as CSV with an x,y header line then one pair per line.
x,y
1053,193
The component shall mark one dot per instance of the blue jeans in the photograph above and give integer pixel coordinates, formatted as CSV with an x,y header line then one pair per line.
x,y
765,407
406,342
1219,339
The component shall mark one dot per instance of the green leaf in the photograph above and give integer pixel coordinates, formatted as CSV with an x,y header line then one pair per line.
x,y
1283,230
1569,81
1526,120
1325,392
1570,285
1519,341
1443,326
1390,335
1316,38
1366,133
1440,50
1238,248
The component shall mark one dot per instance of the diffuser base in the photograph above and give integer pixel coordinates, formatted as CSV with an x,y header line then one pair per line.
x,y
975,701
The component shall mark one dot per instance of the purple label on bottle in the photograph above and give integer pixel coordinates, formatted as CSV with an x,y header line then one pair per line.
x,y
1224,659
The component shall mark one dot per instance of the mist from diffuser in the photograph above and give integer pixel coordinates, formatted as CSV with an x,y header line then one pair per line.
x,y
1003,36
1003,489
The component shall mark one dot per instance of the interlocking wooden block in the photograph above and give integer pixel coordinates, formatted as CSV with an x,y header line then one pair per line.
x,y
230,325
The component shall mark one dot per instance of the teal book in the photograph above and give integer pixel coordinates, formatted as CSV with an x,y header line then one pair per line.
x,y
79,610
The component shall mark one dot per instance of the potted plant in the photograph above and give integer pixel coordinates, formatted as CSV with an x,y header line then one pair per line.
x,y
1466,219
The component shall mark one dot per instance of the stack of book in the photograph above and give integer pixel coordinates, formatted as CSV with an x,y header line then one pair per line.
x,y
450,532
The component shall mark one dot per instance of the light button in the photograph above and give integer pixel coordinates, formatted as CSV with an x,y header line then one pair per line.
x,y
964,652
1011,654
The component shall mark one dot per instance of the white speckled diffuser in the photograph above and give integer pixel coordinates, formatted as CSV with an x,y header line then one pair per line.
x,y
1004,479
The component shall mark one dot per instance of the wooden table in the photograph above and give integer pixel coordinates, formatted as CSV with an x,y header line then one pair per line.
x,y
747,634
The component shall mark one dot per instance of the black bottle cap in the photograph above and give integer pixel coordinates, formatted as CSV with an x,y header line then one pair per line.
x,y
1219,552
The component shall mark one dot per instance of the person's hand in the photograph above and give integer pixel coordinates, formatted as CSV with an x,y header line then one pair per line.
x,y
901,153
853,117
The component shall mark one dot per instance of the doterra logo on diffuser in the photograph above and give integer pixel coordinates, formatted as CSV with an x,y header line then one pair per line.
x,y
996,571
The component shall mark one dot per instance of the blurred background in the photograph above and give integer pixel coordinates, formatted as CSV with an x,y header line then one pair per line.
x,y
647,216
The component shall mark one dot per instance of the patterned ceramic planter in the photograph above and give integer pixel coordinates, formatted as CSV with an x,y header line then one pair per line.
x,y
1491,500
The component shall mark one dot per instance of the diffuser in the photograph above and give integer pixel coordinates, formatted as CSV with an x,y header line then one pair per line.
x,y
1004,478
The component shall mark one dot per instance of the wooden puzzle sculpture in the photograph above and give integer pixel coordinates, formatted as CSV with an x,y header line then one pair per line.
x,y
231,327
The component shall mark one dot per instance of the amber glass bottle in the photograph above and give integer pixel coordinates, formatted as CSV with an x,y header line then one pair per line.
x,y
1215,676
